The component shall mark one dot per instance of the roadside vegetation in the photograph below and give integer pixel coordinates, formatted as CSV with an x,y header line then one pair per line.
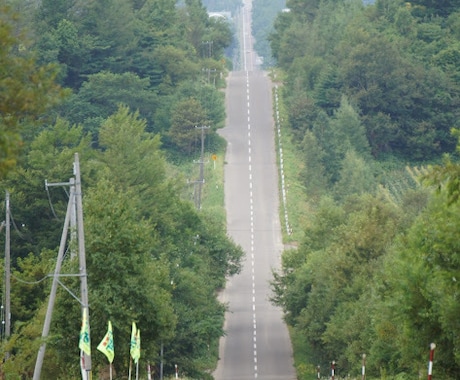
x,y
128,102
369,104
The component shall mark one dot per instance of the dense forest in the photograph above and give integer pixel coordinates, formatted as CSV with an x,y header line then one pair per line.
x,y
124,83
370,101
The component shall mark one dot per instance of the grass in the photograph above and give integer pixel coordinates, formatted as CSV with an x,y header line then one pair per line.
x,y
213,188
291,166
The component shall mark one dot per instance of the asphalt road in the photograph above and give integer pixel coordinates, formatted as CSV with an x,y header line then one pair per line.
x,y
257,344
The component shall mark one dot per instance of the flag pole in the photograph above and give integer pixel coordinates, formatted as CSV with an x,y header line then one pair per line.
x,y
149,372
130,367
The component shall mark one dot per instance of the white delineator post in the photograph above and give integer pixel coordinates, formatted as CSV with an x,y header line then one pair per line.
x,y
430,363
363,372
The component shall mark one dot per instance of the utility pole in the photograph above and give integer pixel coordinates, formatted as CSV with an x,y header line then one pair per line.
x,y
7,271
73,223
82,256
208,72
208,51
200,181
75,202
52,298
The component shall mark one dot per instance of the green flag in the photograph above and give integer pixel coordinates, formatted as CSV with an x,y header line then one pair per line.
x,y
137,351
85,343
133,344
106,345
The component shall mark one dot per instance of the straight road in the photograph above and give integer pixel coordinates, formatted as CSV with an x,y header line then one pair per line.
x,y
257,344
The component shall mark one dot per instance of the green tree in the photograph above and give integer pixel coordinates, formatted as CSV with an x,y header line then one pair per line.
x,y
200,325
100,96
328,89
302,113
196,21
263,18
219,32
39,211
188,115
26,90
447,176
51,13
356,177
347,125
314,173
64,45
176,65
324,285
307,9
135,161
441,8
421,280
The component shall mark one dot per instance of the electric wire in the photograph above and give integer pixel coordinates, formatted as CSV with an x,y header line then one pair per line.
x,y
51,203
30,282
40,280
20,234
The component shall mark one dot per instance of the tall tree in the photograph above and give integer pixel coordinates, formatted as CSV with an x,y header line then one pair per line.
x,y
187,116
26,89
101,95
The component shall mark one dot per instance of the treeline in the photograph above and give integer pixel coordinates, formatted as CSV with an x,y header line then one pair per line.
x,y
394,62
123,83
263,16
370,97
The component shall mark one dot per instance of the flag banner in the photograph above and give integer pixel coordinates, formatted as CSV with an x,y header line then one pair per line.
x,y
85,343
133,343
106,345
137,351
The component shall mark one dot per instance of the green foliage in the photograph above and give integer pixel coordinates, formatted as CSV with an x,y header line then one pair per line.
x,y
441,8
157,48
356,177
448,175
39,212
188,117
126,283
372,93
314,171
263,18
100,96
396,67
150,257
376,272
421,276
26,89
